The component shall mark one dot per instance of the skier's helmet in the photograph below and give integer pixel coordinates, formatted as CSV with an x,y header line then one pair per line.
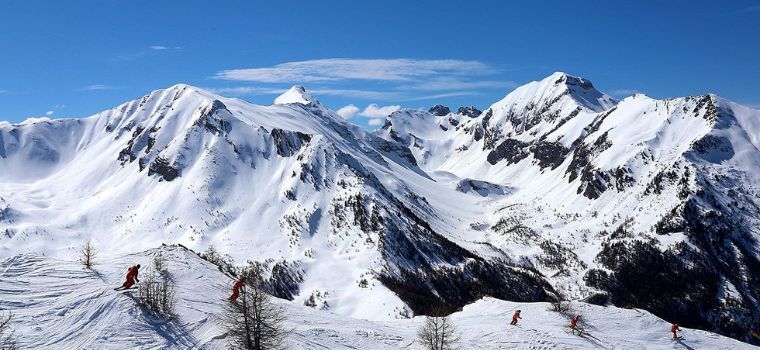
x,y
138,266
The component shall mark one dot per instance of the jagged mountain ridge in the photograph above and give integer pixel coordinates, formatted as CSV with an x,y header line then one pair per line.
x,y
291,184
653,203
547,188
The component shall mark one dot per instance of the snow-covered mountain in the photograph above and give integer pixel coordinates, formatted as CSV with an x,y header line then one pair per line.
x,y
292,184
557,187
653,203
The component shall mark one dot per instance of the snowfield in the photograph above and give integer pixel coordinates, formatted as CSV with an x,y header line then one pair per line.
x,y
60,305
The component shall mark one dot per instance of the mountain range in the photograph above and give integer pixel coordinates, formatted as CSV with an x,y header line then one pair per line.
x,y
556,189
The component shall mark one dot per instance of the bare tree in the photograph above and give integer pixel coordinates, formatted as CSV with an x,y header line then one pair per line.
x,y
224,262
159,263
87,254
438,333
157,292
212,255
559,302
7,341
254,321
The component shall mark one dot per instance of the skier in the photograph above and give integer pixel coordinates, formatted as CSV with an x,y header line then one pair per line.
x,y
674,328
236,288
515,317
131,277
574,324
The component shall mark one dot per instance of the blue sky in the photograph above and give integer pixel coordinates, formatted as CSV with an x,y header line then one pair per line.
x,y
73,59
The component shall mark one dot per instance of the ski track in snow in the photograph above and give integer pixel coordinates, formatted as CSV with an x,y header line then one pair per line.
x,y
60,305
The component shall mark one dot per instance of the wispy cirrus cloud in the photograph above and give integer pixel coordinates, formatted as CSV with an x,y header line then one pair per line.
x,y
145,52
390,81
456,84
246,90
623,92
363,94
98,87
336,69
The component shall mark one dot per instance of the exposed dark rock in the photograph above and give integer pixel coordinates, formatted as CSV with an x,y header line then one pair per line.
x,y
469,111
549,154
439,110
510,149
129,153
162,167
714,149
482,188
288,143
212,121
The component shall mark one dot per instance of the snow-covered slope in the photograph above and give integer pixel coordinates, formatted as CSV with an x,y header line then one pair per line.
x,y
60,305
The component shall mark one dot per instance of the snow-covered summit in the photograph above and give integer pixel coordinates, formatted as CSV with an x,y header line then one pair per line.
x,y
296,94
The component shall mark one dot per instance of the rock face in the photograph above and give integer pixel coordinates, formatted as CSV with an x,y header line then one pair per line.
x,y
555,188
439,110
469,111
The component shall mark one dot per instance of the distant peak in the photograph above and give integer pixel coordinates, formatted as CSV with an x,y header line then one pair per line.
x,y
296,94
439,110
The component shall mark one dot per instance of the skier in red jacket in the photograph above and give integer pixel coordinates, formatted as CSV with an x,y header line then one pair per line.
x,y
674,328
515,317
131,277
574,324
236,288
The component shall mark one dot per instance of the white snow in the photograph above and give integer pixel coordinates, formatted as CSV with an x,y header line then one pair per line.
x,y
296,94
60,305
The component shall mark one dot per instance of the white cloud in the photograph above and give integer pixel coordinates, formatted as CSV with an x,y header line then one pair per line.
x,y
457,84
247,90
158,47
336,69
374,111
97,87
623,92
49,113
365,94
375,121
348,112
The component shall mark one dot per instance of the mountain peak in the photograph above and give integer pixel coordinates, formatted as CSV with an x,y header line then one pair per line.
x,y
580,89
439,110
571,81
296,94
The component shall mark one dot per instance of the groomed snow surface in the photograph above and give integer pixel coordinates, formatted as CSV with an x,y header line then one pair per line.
x,y
60,305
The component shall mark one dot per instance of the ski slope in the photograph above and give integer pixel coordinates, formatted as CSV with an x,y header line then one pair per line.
x,y
60,305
